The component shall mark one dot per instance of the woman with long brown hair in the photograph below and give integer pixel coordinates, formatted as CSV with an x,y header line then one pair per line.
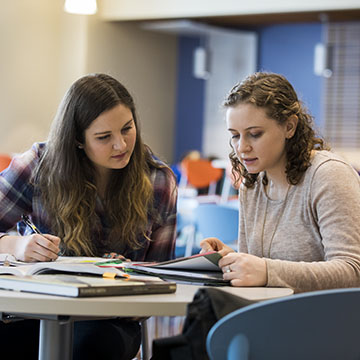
x,y
93,189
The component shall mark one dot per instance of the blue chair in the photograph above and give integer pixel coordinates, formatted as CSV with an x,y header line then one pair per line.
x,y
315,325
185,226
220,221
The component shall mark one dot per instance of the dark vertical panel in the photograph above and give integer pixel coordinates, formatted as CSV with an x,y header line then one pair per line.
x,y
289,50
190,100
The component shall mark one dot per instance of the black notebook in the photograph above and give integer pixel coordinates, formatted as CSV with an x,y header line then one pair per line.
x,y
85,286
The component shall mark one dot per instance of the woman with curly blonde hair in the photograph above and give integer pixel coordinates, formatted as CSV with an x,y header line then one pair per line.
x,y
299,206
93,189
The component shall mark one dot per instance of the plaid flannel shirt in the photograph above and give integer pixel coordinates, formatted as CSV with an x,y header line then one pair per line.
x,y
18,196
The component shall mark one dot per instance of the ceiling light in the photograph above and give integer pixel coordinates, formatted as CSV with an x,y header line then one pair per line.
x,y
84,7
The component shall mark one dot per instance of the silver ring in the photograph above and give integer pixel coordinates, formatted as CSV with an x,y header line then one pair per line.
x,y
228,270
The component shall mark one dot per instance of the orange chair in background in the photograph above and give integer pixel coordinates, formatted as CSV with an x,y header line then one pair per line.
x,y
200,174
4,161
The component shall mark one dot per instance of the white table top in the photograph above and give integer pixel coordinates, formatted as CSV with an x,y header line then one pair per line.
x,y
140,305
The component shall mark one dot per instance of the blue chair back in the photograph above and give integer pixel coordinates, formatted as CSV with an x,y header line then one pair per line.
x,y
315,325
221,221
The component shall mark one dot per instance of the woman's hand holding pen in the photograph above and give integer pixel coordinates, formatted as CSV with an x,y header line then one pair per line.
x,y
34,247
38,247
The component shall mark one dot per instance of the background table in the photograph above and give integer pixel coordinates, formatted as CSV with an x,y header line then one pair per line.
x,y
57,313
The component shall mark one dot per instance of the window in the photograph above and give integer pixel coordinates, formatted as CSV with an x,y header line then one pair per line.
x,y
341,95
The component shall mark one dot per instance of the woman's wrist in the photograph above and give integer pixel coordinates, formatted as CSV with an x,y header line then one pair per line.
x,y
6,243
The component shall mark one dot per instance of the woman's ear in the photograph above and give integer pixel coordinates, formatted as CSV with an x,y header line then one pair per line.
x,y
291,125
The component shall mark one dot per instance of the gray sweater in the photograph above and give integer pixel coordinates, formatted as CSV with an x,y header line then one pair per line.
x,y
311,240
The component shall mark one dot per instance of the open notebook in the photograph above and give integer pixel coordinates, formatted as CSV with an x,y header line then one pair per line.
x,y
200,268
76,265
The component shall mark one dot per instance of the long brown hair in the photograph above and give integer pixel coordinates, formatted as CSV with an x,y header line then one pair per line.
x,y
65,176
276,95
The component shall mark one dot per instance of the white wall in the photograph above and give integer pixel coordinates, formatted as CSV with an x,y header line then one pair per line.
x,y
145,62
39,58
43,50
232,58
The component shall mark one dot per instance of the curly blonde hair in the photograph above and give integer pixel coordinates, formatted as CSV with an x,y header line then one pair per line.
x,y
275,94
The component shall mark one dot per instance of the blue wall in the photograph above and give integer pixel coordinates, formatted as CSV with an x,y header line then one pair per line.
x,y
190,100
289,50
286,49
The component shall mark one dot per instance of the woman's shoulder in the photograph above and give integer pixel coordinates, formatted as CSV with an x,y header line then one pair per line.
x,y
160,172
328,161
321,156
164,183
23,165
156,162
328,166
38,149
30,158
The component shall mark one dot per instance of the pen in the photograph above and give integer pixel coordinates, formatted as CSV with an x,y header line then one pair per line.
x,y
32,226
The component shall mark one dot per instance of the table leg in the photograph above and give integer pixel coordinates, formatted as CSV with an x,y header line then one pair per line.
x,y
56,340
145,349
